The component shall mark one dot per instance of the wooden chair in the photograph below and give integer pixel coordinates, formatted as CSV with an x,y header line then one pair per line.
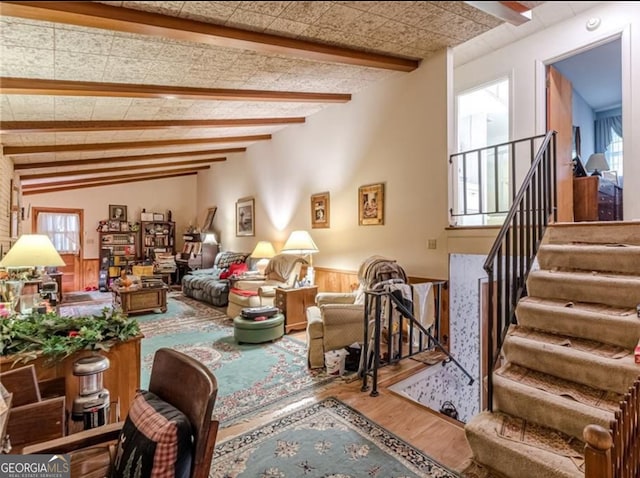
x,y
177,379
34,417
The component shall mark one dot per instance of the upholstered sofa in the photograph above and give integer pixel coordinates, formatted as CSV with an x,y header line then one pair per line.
x,y
211,285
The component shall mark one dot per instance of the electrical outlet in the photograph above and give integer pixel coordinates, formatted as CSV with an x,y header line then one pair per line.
x,y
432,243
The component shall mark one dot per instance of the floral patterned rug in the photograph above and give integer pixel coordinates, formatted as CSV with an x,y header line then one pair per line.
x,y
325,440
251,377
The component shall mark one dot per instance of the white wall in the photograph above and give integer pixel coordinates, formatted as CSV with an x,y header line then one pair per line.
x,y
395,132
523,60
159,195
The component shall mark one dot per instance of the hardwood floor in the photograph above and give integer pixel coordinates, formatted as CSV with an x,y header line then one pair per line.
x,y
438,436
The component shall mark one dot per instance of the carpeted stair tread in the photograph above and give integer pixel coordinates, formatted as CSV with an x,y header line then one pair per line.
x,y
513,446
547,353
601,288
614,325
621,258
596,232
551,401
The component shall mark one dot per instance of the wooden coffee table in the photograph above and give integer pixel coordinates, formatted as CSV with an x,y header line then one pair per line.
x,y
140,299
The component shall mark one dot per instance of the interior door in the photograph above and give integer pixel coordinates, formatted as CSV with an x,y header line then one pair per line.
x,y
560,119
72,270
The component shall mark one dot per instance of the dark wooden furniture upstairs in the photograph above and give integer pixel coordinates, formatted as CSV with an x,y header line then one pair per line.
x,y
596,199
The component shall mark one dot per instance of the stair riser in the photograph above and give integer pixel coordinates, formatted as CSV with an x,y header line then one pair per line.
x,y
619,259
623,332
597,372
508,461
545,409
596,289
594,233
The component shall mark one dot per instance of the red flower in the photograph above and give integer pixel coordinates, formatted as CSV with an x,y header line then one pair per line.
x,y
74,333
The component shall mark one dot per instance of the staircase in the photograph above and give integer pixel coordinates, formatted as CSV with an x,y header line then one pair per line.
x,y
569,360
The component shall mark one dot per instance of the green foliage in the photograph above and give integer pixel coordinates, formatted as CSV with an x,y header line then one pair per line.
x,y
57,337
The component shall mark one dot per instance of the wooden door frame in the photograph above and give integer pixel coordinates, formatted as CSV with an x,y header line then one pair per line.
x,y
64,210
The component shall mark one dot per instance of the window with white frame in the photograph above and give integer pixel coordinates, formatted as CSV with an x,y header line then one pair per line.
x,y
481,181
63,229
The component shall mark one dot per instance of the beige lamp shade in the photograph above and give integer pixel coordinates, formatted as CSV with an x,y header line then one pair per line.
x,y
32,250
263,250
300,243
597,162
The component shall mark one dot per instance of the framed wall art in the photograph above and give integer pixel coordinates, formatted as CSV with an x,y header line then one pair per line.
x,y
117,212
371,205
207,224
245,219
320,210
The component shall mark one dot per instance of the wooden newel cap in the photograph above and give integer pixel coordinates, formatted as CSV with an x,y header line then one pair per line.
x,y
597,437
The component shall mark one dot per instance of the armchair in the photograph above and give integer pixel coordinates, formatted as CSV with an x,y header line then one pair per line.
x,y
168,406
337,319
282,271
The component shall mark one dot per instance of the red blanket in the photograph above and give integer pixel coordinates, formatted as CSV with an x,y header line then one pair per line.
x,y
244,293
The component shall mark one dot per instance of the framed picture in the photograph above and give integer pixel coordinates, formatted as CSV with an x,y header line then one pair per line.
x,y
158,216
114,225
207,225
124,226
320,210
117,213
245,220
371,205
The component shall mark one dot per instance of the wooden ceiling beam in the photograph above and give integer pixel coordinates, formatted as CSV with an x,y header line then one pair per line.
x,y
106,183
85,172
126,125
58,148
121,159
36,86
107,17
151,174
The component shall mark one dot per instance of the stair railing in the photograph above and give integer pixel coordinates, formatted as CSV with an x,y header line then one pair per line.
x,y
512,255
400,340
615,453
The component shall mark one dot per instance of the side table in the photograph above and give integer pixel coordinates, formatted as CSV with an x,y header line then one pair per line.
x,y
293,303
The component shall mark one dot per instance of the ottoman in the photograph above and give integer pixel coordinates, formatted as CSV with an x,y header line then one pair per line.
x,y
258,331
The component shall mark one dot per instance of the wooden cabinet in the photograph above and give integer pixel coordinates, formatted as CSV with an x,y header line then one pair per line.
x,y
596,199
293,303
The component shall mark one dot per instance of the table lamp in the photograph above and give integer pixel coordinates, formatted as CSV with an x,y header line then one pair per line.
x,y
300,243
30,250
263,251
597,162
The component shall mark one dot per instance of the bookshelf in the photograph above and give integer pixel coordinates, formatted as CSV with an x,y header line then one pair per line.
x,y
157,237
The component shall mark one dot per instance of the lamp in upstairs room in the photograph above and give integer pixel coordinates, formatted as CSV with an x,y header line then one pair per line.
x,y
29,251
300,243
597,162
263,251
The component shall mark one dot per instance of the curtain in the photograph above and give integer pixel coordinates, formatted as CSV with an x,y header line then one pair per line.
x,y
603,128
62,229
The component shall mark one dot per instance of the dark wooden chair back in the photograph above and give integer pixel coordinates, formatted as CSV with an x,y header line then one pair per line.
x,y
192,388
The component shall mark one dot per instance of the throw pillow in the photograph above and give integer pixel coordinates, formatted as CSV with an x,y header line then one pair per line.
x,y
155,441
234,269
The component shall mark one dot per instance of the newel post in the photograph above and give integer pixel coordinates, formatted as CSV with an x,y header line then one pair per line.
x,y
597,452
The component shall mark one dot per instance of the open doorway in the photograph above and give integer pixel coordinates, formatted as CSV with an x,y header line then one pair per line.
x,y
595,77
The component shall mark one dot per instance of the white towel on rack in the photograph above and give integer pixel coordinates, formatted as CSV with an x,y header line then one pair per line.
x,y
423,304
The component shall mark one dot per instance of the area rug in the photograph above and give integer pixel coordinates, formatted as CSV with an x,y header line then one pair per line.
x,y
251,377
328,439
72,298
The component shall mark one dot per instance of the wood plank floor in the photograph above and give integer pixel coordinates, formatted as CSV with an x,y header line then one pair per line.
x,y
438,436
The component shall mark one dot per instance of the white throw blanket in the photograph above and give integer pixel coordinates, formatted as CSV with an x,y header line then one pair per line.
x,y
423,308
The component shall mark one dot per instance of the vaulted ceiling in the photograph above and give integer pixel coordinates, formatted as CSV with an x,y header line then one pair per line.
x,y
162,89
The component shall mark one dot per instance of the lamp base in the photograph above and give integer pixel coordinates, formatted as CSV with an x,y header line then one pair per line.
x,y
261,265
311,276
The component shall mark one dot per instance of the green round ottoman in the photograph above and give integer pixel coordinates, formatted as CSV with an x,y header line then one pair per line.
x,y
258,331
